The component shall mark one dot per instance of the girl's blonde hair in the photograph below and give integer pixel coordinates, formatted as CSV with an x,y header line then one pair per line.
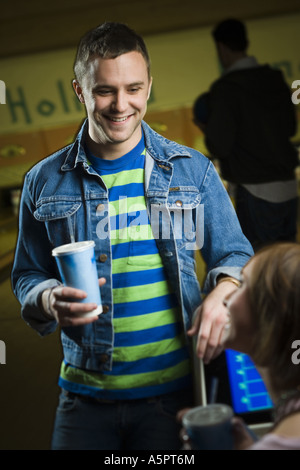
x,y
274,293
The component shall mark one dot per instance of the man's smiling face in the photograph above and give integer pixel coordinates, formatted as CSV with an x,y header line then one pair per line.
x,y
115,94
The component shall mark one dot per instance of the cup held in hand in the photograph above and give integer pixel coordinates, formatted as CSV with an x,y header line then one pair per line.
x,y
77,266
209,427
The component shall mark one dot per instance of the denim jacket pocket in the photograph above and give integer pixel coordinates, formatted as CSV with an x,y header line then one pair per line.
x,y
59,217
183,205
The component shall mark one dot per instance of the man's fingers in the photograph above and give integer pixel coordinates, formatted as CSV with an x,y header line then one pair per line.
x,y
202,328
203,338
76,321
213,345
63,293
67,308
196,324
71,292
74,308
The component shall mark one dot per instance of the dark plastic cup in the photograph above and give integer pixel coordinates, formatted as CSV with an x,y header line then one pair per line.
x,y
209,427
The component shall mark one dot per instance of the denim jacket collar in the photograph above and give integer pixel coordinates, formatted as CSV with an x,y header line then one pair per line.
x,y
76,153
160,148
157,146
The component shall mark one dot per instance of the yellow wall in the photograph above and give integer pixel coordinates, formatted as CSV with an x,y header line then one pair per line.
x,y
183,65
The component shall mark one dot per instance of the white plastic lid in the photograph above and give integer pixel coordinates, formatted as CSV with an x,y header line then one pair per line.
x,y
70,248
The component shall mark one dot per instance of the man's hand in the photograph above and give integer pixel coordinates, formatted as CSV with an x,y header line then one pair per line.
x,y
210,320
58,306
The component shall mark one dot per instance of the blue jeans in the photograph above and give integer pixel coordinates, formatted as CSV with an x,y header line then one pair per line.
x,y
266,222
144,424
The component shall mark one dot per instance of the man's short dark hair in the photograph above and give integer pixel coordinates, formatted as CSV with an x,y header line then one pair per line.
x,y
108,41
232,33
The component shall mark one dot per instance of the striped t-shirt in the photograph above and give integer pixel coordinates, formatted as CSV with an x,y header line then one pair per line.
x,y
150,355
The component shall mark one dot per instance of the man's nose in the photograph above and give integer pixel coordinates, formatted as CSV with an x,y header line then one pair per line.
x,y
120,102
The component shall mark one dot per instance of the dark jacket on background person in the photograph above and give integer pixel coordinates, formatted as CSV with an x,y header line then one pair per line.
x,y
251,119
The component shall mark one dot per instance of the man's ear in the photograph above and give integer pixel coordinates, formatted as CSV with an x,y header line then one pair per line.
x,y
149,90
78,90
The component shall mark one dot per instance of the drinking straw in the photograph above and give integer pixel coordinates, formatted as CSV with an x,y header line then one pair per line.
x,y
71,230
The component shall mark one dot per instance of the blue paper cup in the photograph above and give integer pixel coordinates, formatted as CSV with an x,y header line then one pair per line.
x,y
209,427
77,266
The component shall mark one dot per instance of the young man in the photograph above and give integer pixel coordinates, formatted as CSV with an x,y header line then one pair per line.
x,y
140,198
250,121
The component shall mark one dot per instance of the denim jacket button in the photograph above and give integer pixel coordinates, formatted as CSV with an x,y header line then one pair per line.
x,y
104,357
100,208
178,203
105,308
103,258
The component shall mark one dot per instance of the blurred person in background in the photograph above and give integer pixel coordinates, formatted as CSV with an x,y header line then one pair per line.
x,y
248,126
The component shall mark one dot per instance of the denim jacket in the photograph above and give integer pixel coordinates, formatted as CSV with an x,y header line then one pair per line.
x,y
187,205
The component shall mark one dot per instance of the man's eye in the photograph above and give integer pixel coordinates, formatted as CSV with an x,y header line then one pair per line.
x,y
103,92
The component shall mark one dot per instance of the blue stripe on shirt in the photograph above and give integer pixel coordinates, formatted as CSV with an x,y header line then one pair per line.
x,y
141,307
129,219
150,335
130,279
140,247
128,190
